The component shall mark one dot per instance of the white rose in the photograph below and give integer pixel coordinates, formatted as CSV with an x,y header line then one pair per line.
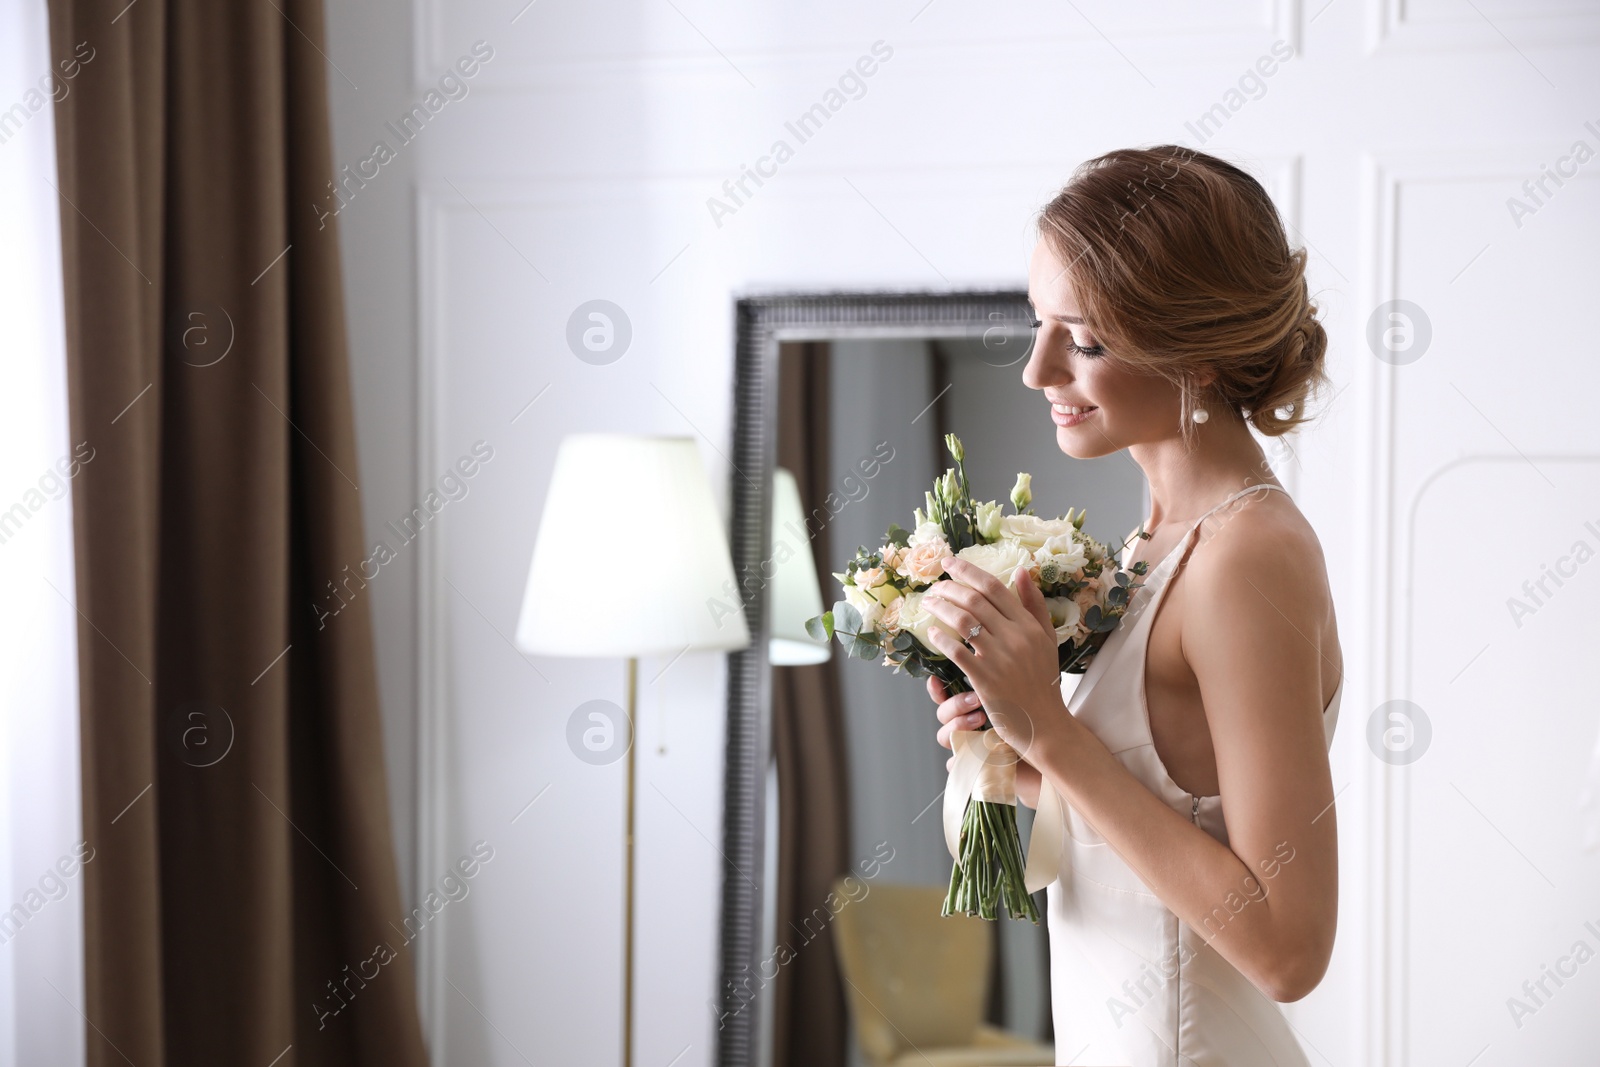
x,y
1064,616
918,622
989,521
926,532
1033,531
1000,559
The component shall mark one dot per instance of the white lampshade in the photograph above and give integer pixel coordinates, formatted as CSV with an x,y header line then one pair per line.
x,y
631,558
795,594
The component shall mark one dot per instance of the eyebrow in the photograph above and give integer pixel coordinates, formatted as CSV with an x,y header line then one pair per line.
x,y
1069,319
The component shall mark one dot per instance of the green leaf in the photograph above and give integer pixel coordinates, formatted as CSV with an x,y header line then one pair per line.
x,y
846,617
903,641
821,627
861,648
1122,578
897,535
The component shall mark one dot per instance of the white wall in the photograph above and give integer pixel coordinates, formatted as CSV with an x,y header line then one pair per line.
x,y
579,167
42,840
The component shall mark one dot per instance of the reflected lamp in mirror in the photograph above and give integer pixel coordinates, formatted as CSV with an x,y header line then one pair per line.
x,y
796,596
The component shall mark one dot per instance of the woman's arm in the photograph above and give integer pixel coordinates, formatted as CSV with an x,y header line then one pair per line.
x,y
1270,896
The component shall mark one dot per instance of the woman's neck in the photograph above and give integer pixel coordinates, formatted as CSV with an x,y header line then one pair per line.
x,y
1186,481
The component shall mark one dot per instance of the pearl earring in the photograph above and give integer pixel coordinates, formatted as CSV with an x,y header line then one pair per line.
x,y
1200,415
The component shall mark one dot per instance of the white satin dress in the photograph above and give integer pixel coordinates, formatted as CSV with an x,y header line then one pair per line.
x,y
1131,983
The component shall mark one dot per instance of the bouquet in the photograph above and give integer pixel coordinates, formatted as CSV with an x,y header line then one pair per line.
x,y
1087,593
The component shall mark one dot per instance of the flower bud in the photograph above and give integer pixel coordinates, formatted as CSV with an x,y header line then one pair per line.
x,y
988,521
1022,492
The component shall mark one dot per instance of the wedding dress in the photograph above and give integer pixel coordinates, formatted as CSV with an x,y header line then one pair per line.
x,y
1131,983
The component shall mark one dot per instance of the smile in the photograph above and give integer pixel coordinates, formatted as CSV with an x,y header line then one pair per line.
x,y
1070,415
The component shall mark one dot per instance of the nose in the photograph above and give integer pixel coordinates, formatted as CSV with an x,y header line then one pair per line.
x,y
1045,366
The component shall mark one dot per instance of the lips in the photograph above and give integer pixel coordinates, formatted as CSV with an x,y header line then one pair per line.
x,y
1071,414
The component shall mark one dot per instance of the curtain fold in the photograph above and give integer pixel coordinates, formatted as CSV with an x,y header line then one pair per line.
x,y
241,905
808,743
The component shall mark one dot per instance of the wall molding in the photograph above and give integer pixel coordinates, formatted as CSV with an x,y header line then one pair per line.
x,y
1384,1038
431,54
1389,27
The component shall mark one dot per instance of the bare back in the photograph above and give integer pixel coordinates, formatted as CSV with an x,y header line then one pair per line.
x,y
1178,720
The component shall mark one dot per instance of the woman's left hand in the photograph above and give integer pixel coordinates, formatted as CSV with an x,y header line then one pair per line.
x,y
1013,664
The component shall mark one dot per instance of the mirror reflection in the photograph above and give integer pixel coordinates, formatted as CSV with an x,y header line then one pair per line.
x,y
868,972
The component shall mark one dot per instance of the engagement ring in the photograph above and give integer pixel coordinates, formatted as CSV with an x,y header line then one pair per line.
x,y
974,631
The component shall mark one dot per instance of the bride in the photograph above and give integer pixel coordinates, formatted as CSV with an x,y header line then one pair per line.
x,y
1198,883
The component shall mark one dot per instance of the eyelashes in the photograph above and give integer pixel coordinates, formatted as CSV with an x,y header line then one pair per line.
x,y
1092,352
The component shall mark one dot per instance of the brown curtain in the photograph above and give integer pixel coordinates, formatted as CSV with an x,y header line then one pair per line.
x,y
808,743
241,904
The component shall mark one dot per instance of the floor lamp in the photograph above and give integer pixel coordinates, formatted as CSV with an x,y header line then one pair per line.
x,y
634,512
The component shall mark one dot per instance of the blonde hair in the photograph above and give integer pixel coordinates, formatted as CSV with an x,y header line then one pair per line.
x,y
1181,267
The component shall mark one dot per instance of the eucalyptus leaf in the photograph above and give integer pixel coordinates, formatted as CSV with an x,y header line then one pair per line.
x,y
821,627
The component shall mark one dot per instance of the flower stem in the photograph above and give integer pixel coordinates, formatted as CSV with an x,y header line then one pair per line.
x,y
990,870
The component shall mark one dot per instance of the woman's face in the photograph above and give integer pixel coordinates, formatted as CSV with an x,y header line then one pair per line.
x,y
1113,406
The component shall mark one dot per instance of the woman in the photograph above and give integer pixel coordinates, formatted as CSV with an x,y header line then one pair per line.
x,y
1171,317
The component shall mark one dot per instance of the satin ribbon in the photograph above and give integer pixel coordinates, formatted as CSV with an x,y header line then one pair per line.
x,y
985,768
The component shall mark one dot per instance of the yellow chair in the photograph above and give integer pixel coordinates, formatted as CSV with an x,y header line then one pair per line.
x,y
916,982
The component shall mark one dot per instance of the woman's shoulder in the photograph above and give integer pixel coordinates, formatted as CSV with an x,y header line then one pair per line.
x,y
1268,541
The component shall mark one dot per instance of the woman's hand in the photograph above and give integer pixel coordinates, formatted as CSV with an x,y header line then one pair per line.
x,y
1014,663
957,713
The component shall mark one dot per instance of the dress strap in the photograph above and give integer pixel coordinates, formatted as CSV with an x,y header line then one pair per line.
x,y
1178,549
1230,498
1184,540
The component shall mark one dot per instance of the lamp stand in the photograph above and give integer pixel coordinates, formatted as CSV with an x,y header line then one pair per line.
x,y
627,924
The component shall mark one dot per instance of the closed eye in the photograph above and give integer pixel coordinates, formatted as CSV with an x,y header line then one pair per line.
x,y
1091,352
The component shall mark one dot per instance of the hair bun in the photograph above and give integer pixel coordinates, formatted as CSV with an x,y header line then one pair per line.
x,y
1281,404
